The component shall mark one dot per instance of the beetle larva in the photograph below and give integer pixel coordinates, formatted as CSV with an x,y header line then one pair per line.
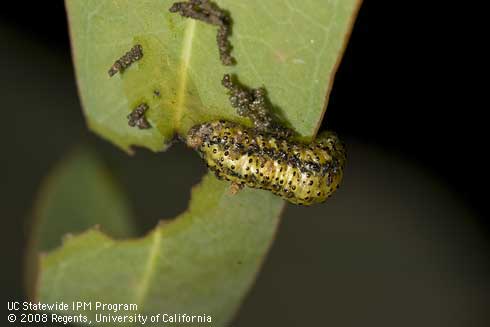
x,y
266,156
299,173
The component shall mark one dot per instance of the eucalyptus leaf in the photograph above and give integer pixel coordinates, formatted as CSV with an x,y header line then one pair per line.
x,y
292,48
79,194
204,260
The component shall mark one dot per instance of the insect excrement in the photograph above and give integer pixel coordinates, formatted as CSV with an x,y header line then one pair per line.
x,y
137,117
210,13
133,55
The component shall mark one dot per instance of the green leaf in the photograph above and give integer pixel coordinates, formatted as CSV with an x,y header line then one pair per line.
x,y
79,194
202,262
290,47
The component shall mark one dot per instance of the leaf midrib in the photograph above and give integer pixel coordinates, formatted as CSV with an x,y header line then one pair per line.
x,y
153,253
185,57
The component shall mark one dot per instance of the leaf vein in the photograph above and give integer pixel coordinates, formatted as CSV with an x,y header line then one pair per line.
x,y
144,285
183,69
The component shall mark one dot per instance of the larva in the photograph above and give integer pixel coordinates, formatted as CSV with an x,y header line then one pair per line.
x,y
266,156
300,173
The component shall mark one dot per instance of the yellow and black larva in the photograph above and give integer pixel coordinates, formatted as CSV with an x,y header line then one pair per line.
x,y
300,173
266,156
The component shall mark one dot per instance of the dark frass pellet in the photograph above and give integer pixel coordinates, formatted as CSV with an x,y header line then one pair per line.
x,y
210,13
253,104
133,55
137,117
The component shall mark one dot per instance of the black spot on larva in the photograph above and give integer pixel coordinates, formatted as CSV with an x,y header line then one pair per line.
x,y
294,161
282,155
133,55
325,169
239,146
312,166
269,152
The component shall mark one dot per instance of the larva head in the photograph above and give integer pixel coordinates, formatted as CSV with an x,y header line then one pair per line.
x,y
197,135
